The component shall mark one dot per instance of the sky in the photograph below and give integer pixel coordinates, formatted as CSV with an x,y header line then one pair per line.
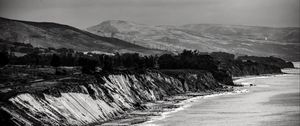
x,y
86,13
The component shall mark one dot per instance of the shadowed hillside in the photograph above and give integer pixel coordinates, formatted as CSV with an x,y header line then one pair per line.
x,y
46,34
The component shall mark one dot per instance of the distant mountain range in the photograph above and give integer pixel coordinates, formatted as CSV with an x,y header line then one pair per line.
x,y
46,34
123,36
236,39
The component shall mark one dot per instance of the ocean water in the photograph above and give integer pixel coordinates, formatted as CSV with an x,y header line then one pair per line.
x,y
274,101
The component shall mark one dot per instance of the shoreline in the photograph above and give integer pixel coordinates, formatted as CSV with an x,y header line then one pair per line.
x,y
255,76
284,72
235,90
160,109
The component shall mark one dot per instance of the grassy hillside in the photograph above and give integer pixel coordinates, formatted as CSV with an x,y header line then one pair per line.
x,y
238,40
47,34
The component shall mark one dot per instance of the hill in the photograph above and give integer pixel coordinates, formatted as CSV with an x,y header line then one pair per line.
x,y
235,39
48,34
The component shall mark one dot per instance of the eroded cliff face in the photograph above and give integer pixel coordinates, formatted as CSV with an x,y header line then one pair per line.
x,y
109,97
190,80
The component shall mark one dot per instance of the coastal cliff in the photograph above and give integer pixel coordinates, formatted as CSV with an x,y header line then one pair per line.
x,y
98,100
249,65
241,68
104,88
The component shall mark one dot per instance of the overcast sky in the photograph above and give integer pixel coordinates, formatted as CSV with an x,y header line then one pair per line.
x,y
85,13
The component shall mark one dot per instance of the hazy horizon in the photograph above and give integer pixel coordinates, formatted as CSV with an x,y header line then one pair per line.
x,y
83,14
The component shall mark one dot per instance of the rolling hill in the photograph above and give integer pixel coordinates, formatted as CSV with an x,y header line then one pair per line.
x,y
236,39
47,34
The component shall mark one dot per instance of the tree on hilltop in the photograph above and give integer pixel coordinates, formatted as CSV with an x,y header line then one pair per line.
x,y
3,59
55,61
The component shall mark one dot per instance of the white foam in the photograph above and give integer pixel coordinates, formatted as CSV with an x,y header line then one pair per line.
x,y
246,81
262,85
151,125
296,64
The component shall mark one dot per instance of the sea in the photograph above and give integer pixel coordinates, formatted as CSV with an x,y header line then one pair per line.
x,y
274,100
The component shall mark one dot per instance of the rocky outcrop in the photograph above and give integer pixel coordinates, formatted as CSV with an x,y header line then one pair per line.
x,y
99,98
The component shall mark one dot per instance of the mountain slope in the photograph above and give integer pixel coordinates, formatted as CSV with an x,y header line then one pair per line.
x,y
46,34
239,40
